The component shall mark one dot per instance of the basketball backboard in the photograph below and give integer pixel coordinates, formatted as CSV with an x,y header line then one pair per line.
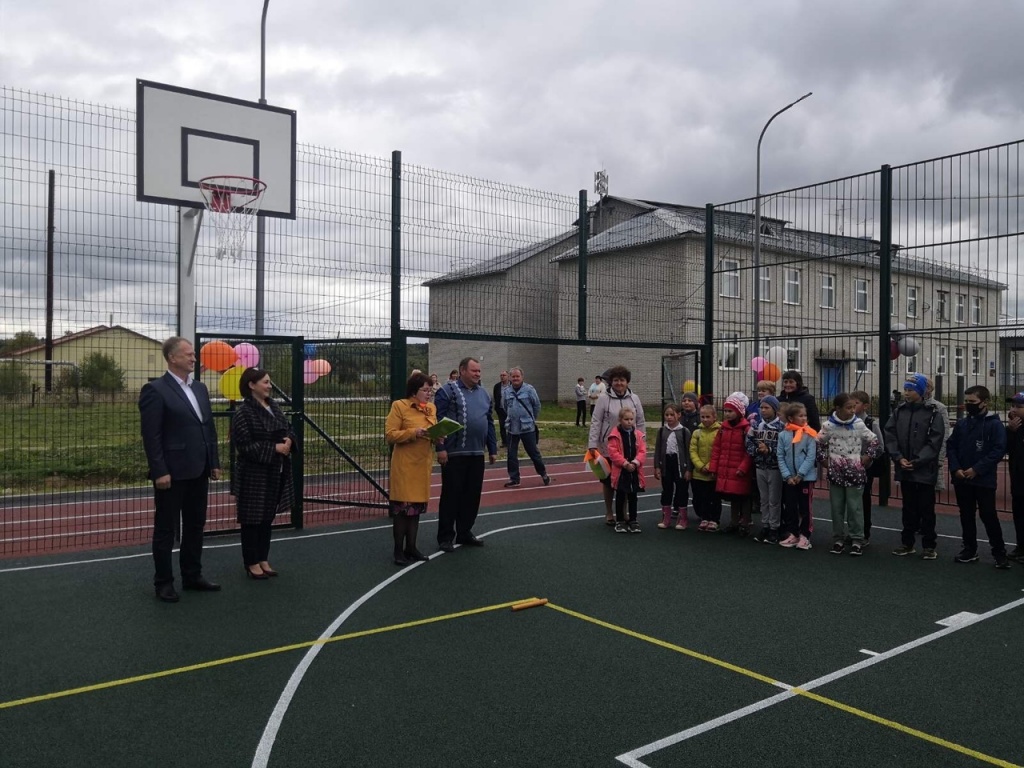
x,y
184,135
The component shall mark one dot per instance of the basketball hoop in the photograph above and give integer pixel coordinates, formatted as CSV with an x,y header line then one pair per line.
x,y
232,203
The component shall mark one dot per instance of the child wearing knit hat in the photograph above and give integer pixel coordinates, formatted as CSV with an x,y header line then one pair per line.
x,y
762,441
731,465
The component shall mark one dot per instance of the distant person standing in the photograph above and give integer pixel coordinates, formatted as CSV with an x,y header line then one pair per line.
x,y
181,449
435,385
1015,450
453,376
461,455
975,448
499,406
581,403
596,390
522,407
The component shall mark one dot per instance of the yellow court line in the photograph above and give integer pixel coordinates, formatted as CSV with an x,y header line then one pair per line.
x,y
799,691
254,655
906,729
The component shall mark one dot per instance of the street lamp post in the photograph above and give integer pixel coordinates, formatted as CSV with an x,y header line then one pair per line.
x,y
757,230
261,229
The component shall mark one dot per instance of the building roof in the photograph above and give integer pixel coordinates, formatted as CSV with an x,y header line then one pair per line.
x,y
95,330
501,263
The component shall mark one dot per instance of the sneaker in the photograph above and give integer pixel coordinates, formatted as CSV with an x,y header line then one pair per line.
x,y
1016,555
837,548
712,527
703,525
761,535
1002,562
511,483
789,541
929,554
856,550
803,543
773,537
634,526
546,479
621,528
904,551
966,556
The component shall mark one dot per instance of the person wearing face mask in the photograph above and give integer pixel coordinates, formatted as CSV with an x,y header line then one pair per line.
x,y
974,451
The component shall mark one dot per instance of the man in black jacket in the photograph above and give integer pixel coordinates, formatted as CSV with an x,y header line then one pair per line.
x,y
181,449
499,410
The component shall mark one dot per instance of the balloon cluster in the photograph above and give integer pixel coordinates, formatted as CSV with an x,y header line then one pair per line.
x,y
900,343
769,367
231,362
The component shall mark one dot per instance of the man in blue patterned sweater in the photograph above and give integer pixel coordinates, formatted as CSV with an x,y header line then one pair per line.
x,y
461,456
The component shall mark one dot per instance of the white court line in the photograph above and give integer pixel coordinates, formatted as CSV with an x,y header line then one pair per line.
x,y
631,758
266,744
866,652
302,536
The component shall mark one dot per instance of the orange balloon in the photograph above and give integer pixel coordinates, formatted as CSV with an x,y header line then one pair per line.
x,y
771,372
321,367
217,356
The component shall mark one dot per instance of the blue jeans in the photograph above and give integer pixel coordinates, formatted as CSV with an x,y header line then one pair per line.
x,y
529,441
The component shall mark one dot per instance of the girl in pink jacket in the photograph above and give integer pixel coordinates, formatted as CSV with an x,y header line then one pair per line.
x,y
627,449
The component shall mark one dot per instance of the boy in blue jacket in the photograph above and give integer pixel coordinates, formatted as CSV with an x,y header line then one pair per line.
x,y
974,450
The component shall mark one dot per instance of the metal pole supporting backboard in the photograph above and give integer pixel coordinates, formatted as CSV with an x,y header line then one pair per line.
x,y
189,222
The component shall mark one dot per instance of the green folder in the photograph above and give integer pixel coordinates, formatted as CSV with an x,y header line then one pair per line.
x,y
443,428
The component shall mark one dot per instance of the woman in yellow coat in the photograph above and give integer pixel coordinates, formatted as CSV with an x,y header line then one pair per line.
x,y
411,463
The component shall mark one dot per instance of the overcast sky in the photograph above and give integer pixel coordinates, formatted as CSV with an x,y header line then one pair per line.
x,y
668,96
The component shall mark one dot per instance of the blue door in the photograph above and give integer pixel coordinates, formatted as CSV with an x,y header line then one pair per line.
x,y
831,380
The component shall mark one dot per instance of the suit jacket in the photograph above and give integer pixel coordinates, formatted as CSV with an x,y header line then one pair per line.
x,y
176,442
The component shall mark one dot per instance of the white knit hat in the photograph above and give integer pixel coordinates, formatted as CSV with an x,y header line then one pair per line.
x,y
737,401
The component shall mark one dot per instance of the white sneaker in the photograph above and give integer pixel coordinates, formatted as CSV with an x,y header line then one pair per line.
x,y
789,541
803,543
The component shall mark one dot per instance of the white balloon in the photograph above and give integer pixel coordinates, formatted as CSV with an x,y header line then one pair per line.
x,y
777,356
908,346
897,328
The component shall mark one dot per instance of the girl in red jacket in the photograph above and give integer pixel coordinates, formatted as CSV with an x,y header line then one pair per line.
x,y
731,465
627,449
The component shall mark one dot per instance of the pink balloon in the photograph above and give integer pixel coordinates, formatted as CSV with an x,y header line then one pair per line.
x,y
309,378
309,374
248,355
757,365
894,350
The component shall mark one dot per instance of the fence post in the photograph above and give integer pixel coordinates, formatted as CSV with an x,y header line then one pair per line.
x,y
298,427
398,356
885,315
51,185
581,268
707,383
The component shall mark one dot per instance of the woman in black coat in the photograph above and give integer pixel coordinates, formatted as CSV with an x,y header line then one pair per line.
x,y
261,479
794,391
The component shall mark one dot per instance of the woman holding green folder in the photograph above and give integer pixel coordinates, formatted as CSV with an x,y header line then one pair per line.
x,y
412,460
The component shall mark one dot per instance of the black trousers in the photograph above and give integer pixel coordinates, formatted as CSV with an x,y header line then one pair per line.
x,y
675,490
796,509
502,429
256,543
185,499
462,482
706,502
970,498
1018,519
918,513
622,500
868,486
581,413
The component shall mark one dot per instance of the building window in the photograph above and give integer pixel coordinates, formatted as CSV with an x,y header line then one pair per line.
x,y
911,301
942,305
862,364
828,291
730,282
975,310
766,283
792,286
943,360
911,364
961,306
958,361
893,309
975,362
860,295
730,360
793,354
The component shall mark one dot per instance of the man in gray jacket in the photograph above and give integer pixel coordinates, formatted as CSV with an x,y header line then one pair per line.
x,y
522,407
913,437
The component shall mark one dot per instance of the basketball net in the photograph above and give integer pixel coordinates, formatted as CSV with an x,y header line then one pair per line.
x,y
232,203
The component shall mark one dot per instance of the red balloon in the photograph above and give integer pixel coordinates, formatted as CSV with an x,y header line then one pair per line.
x,y
894,350
217,356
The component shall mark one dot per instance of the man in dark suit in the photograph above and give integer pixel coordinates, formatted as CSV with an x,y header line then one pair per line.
x,y
181,449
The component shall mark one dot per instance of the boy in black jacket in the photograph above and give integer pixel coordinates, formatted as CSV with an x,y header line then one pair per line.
x,y
1015,450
